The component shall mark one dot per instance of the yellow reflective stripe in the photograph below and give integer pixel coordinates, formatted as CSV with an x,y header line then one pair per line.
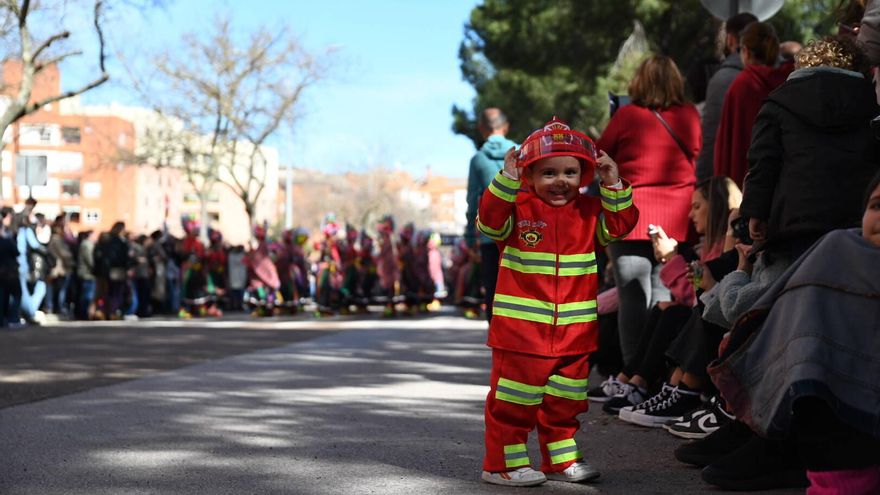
x,y
572,258
507,182
577,312
563,451
602,234
616,200
531,255
523,308
504,188
528,262
567,388
516,455
496,235
519,393
577,264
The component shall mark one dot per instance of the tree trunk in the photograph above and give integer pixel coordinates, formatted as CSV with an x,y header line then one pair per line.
x,y
203,216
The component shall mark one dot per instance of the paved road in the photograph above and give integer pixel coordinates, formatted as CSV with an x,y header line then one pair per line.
x,y
372,407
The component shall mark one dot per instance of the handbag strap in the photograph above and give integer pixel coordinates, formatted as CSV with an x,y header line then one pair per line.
x,y
684,149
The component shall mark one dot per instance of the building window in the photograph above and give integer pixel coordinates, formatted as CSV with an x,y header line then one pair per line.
x,y
69,188
71,135
45,135
92,189
92,217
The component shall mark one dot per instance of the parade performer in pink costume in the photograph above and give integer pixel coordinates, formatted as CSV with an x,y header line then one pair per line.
x,y
386,265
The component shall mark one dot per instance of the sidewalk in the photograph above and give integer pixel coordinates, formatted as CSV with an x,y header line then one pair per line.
x,y
384,407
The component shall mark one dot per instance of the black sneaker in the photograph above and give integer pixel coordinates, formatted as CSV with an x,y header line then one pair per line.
x,y
680,402
604,392
700,423
626,412
716,445
760,464
630,396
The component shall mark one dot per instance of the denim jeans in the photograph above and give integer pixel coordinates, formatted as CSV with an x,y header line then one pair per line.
x,y
31,300
86,298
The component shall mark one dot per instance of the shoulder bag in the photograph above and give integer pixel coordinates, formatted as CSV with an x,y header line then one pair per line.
x,y
684,149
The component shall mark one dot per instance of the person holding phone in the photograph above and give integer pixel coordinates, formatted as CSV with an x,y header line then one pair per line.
x,y
655,140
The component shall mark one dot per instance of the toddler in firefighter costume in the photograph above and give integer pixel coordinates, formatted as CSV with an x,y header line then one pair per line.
x,y
544,323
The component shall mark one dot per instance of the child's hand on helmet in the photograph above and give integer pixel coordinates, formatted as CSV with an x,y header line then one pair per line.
x,y
607,169
510,168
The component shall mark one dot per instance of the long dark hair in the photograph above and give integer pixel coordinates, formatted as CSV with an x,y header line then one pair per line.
x,y
871,186
722,195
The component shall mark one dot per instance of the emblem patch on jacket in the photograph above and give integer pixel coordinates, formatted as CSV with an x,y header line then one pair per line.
x,y
531,237
531,234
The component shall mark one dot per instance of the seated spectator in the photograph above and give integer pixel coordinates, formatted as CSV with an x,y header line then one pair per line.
x,y
710,208
792,367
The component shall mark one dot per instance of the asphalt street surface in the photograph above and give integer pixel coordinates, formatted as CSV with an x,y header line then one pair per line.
x,y
338,405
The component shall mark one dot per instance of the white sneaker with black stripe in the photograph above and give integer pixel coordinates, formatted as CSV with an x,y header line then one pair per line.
x,y
604,392
679,402
625,413
524,476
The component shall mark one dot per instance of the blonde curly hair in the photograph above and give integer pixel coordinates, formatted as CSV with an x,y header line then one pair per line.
x,y
832,51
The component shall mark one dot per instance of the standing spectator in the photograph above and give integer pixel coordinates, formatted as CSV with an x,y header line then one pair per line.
x,y
42,229
237,272
814,131
32,270
10,290
488,161
158,261
654,141
718,85
117,270
60,274
759,49
173,247
85,270
142,274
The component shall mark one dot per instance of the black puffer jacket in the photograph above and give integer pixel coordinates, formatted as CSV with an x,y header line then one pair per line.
x,y
812,154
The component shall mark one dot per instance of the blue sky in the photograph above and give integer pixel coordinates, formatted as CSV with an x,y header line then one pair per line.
x,y
387,102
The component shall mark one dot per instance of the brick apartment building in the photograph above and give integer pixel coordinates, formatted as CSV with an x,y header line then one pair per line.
x,y
84,149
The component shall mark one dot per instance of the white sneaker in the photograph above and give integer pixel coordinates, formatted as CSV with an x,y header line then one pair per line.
x,y
130,318
577,472
524,476
40,317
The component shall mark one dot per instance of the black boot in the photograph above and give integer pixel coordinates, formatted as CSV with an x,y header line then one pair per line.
x,y
716,445
760,464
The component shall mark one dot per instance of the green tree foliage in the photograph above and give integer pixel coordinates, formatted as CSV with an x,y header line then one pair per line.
x,y
539,58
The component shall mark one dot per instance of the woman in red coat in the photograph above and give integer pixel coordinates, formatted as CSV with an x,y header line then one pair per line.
x,y
659,162
759,49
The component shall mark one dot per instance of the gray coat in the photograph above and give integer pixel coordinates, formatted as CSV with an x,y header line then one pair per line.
x,y
814,333
738,291
718,84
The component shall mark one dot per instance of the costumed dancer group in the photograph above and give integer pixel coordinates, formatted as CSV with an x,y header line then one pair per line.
x,y
405,274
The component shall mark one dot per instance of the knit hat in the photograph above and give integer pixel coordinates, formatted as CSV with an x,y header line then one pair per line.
x,y
557,139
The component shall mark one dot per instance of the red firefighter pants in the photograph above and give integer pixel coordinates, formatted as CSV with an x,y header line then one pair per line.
x,y
529,391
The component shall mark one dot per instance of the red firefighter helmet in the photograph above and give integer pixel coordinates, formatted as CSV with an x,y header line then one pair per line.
x,y
557,139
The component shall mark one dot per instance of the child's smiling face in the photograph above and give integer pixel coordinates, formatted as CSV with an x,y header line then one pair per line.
x,y
556,179
871,219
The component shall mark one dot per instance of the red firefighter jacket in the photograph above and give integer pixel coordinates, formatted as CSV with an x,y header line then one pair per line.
x,y
545,299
